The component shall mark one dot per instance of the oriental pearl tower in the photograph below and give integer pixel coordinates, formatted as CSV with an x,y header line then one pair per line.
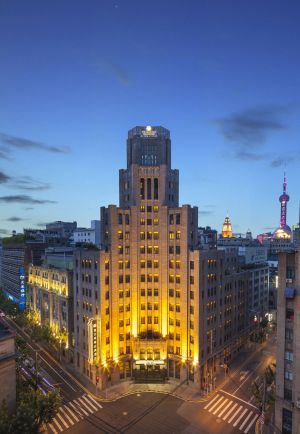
x,y
284,231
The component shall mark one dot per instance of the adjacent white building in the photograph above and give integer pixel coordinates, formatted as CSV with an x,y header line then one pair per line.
x,y
88,235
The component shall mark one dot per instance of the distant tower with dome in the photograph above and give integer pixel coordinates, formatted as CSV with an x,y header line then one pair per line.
x,y
284,231
227,228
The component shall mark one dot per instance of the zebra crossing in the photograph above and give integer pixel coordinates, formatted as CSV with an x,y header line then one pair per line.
x,y
72,412
235,412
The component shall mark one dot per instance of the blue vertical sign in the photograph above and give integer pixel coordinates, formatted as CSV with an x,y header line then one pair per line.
x,y
22,299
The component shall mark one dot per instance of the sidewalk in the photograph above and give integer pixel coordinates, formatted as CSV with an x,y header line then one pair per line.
x,y
186,392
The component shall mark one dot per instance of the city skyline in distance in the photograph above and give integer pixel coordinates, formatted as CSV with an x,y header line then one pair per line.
x,y
72,88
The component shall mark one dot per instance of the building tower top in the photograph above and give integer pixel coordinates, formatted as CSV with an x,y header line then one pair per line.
x,y
227,228
284,231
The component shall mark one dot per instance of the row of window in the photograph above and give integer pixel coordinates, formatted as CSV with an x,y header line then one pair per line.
x,y
150,235
149,208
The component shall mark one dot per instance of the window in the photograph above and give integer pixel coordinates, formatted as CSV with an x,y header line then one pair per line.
x,y
120,265
149,249
288,355
142,188
142,208
171,292
289,334
142,249
143,320
156,190
177,250
142,235
155,208
289,314
171,219
149,208
120,219
149,235
120,235
106,265
178,219
178,234
149,292
149,222
155,235
149,194
156,293
143,292
155,250
149,319
120,249
155,221
177,308
288,375
142,263
171,250
287,421
178,323
192,265
127,219
171,235
191,280
142,221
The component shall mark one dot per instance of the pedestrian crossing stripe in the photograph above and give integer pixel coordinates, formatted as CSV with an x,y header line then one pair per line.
x,y
72,412
232,412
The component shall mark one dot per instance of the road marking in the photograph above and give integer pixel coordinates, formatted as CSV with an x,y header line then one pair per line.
x,y
237,421
224,409
246,378
219,400
72,413
86,406
230,411
78,408
66,415
234,415
240,399
58,424
210,402
95,402
246,420
220,406
63,421
52,428
250,424
90,403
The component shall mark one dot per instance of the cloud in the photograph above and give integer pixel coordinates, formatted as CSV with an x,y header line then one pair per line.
x,y
41,224
118,71
4,178
21,143
205,212
23,198
15,219
4,153
28,208
252,126
250,156
29,183
4,232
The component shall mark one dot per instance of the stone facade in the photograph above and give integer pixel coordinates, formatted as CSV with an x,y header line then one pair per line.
x,y
287,407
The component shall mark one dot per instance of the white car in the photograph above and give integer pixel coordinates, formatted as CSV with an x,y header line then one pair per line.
x,y
2,314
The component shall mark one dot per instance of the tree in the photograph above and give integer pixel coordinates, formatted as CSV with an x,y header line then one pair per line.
x,y
4,418
33,410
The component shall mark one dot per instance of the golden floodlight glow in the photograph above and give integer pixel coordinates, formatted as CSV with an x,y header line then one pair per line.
x,y
148,128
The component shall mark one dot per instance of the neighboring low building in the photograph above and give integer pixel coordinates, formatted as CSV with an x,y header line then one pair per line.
x,y
88,235
207,238
17,254
7,367
87,311
59,257
287,405
50,294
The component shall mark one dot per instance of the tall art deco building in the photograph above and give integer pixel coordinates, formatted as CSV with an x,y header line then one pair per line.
x,y
165,307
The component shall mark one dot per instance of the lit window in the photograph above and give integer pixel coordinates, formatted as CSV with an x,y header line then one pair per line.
x,y
171,235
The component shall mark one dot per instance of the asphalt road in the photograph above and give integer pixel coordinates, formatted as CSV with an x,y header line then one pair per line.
x,y
230,410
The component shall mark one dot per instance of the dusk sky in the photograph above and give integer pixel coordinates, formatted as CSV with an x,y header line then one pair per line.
x,y
223,76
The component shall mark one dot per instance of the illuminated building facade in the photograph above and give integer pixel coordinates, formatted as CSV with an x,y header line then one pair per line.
x,y
167,308
87,330
50,295
227,228
287,404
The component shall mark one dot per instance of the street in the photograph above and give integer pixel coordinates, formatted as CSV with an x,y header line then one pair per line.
x,y
230,409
